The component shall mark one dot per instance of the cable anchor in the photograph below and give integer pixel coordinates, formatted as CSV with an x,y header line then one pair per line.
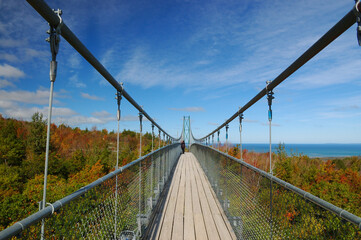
x,y
140,120
118,97
270,97
240,121
54,40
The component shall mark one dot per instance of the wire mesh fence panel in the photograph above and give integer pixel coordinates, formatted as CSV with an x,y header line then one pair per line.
x,y
111,208
260,206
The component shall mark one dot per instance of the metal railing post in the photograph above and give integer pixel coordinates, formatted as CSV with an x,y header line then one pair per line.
x,y
213,140
164,161
218,139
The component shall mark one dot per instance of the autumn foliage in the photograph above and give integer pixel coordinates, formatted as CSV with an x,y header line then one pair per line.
x,y
77,158
337,181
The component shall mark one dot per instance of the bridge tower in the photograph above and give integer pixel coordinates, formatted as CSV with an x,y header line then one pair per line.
x,y
187,130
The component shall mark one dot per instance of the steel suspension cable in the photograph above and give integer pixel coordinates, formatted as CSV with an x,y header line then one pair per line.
x,y
47,13
54,40
339,28
118,98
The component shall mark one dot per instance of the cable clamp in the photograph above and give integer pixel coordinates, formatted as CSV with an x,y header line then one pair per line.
x,y
59,12
22,226
52,208
55,33
342,212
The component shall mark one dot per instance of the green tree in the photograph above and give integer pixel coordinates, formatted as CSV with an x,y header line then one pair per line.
x,y
12,148
77,161
37,137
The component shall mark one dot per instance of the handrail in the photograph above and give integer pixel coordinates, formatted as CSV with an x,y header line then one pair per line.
x,y
345,23
322,203
46,12
47,211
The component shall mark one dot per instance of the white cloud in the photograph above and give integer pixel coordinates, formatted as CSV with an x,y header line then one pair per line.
x,y
60,115
74,60
10,71
131,118
8,42
91,97
340,74
188,109
9,57
338,115
108,57
250,120
79,120
32,53
101,114
74,81
2,28
40,96
14,110
5,83
237,53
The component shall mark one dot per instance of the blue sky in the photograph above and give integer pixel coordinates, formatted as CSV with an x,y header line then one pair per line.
x,y
197,58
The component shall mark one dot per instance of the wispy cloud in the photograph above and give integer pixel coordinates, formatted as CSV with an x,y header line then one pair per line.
x,y
60,114
340,74
10,71
5,83
91,97
8,42
74,61
9,57
250,120
188,109
74,81
131,118
102,114
31,53
236,53
40,96
14,110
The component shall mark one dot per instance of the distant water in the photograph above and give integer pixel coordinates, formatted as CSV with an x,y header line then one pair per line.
x,y
311,150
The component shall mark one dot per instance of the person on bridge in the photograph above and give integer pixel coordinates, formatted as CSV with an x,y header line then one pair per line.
x,y
183,146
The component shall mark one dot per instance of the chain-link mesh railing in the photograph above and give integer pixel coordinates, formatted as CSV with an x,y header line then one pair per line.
x,y
261,206
107,208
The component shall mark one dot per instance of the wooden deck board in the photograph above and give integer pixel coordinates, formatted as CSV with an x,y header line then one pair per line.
x,y
167,220
191,210
188,207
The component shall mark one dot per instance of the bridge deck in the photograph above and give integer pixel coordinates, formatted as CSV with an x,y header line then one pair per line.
x,y
192,210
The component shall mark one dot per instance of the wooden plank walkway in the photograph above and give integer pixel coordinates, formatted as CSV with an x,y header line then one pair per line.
x,y
192,210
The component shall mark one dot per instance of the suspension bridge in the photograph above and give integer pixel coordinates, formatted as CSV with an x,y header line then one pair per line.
x,y
201,194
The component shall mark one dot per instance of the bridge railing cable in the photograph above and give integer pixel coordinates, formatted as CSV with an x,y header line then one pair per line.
x,y
339,28
89,212
47,13
288,213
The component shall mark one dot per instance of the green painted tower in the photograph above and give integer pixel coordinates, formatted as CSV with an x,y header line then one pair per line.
x,y
187,130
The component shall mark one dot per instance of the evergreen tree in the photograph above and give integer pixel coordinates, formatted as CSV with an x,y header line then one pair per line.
x,y
37,137
12,148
